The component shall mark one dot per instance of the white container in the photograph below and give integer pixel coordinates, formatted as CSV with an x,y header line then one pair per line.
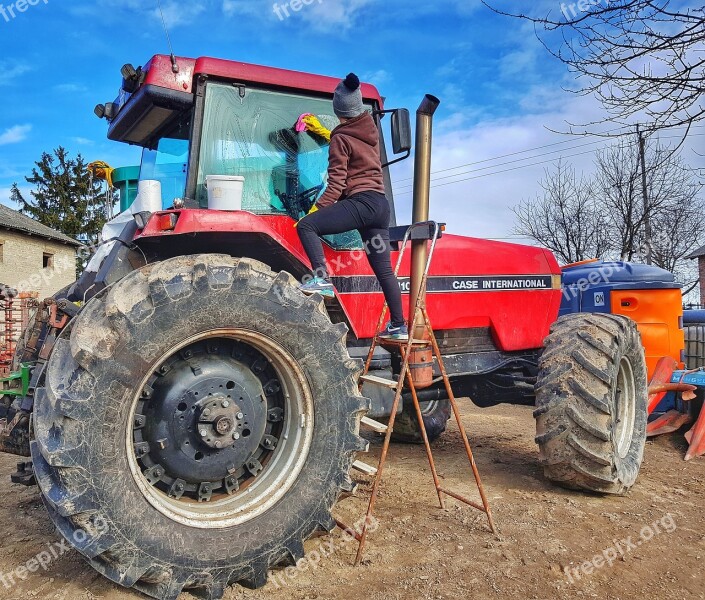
x,y
225,192
149,197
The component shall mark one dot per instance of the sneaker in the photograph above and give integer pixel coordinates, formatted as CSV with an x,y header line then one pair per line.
x,y
395,333
320,286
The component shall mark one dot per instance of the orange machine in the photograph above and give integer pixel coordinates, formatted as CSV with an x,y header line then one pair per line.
x,y
646,294
658,315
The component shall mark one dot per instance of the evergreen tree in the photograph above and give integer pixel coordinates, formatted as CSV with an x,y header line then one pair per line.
x,y
65,197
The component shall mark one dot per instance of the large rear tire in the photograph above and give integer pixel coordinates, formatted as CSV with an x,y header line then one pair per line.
x,y
197,426
591,400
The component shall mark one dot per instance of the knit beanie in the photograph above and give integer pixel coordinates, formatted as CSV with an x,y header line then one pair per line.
x,y
347,101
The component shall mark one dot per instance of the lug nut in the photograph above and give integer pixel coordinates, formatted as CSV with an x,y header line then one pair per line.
x,y
217,444
204,433
236,436
225,404
206,412
240,415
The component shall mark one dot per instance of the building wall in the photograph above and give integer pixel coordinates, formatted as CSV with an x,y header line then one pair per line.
x,y
22,260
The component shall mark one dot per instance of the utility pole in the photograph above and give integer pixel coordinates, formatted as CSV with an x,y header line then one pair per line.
x,y
645,195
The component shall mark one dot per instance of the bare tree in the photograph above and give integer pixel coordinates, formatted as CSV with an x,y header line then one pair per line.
x,y
675,210
640,58
565,218
604,217
617,182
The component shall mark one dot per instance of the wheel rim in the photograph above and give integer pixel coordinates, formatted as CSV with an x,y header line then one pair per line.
x,y
220,428
625,400
429,407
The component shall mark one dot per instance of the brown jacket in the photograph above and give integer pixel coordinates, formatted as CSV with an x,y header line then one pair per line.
x,y
354,164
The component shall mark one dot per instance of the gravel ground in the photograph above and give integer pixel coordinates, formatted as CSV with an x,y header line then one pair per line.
x,y
649,544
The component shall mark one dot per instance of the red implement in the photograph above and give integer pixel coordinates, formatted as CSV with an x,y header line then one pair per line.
x,y
669,422
662,376
696,438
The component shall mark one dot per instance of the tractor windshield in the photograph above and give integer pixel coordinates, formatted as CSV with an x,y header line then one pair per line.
x,y
251,133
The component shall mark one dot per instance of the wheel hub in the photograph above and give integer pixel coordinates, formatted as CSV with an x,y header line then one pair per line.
x,y
209,421
220,422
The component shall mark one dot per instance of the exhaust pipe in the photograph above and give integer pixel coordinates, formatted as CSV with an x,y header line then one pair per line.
x,y
422,191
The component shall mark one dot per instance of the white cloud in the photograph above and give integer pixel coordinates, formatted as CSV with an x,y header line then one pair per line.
x,y
481,206
232,8
70,88
14,135
377,78
179,13
81,141
328,14
175,13
10,72
480,203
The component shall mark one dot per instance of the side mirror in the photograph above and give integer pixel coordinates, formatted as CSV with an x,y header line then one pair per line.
x,y
401,131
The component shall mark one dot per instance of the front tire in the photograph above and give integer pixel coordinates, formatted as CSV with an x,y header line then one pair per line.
x,y
591,400
197,426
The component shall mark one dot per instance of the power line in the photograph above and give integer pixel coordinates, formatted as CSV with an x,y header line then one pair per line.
x,y
408,191
505,170
626,133
479,162
517,160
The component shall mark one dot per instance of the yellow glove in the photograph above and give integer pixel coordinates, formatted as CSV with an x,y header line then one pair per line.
x,y
314,209
314,126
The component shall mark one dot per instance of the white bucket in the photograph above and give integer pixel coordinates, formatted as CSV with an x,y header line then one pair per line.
x,y
225,192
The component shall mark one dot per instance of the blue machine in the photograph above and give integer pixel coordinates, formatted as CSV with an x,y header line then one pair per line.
x,y
588,287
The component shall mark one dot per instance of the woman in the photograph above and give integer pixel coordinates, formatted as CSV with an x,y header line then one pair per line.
x,y
354,199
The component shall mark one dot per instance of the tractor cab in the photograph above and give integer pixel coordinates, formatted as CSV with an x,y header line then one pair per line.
x,y
208,117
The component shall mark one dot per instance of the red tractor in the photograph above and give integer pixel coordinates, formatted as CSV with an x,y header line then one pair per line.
x,y
194,417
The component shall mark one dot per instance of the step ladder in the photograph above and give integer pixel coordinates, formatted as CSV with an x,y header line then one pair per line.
x,y
421,231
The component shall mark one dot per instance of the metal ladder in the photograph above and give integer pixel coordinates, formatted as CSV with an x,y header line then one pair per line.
x,y
420,317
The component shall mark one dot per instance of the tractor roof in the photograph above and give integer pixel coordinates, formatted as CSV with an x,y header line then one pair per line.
x,y
159,72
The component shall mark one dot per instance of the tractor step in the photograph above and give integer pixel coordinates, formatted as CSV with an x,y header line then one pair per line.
x,y
374,425
362,467
390,383
382,341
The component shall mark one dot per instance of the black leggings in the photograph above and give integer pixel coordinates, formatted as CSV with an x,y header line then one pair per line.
x,y
368,212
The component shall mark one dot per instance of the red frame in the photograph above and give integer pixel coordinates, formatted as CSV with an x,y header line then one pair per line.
x,y
519,320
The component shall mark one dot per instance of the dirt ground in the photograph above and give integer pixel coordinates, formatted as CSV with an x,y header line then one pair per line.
x,y
423,552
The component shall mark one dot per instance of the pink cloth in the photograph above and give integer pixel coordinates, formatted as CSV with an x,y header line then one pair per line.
x,y
300,125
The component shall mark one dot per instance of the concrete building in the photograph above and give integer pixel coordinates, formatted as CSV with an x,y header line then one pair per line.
x,y
34,257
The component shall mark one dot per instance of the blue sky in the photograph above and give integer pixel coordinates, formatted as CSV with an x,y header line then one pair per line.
x,y
500,89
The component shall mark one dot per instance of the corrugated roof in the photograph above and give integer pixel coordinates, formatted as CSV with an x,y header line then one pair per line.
x,y
698,253
11,219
